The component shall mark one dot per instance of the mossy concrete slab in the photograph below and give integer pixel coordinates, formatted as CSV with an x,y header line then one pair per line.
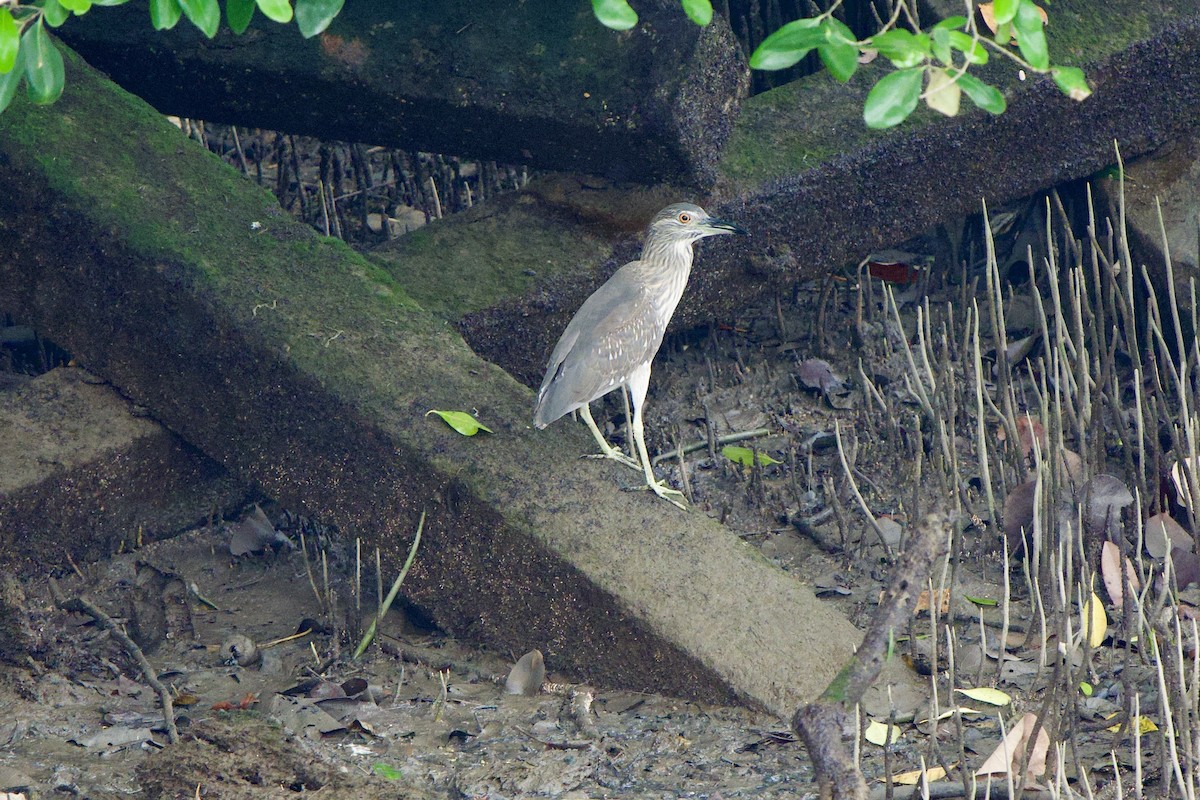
x,y
818,191
82,476
303,367
516,81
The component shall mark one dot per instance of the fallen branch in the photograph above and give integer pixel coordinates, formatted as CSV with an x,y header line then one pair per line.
x,y
821,723
82,605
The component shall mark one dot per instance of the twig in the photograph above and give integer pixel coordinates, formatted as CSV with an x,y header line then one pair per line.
x,y
83,605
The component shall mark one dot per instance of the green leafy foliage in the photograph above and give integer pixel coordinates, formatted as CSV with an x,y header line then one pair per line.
x,y
892,99
698,11
54,13
275,10
461,421
164,14
314,16
9,81
939,59
28,53
43,65
786,46
204,14
238,14
615,14
1072,82
10,40
839,52
1031,36
984,95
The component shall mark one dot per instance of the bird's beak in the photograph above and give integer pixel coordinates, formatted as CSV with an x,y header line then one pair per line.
x,y
721,226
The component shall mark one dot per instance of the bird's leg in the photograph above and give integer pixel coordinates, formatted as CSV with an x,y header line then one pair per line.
x,y
652,483
606,449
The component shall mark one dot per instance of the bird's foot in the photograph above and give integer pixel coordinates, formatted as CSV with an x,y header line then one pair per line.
x,y
663,491
616,455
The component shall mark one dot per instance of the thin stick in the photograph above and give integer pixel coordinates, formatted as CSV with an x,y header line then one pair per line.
x,y
81,604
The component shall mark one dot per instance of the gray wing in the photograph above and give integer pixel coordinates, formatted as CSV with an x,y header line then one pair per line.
x,y
613,332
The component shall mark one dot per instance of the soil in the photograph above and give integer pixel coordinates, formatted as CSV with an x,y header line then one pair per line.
x,y
424,715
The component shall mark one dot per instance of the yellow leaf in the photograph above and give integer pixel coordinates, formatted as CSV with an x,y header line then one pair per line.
x,y
914,777
1094,621
877,733
1144,725
942,92
985,694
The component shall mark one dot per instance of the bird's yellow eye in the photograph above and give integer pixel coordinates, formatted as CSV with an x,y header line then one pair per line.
x,y
684,217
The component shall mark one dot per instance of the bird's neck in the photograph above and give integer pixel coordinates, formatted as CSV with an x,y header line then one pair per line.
x,y
673,267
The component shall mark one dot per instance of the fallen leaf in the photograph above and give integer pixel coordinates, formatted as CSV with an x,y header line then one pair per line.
x,y
923,600
1093,621
986,602
745,456
1162,534
1007,758
1143,723
1180,480
878,733
461,421
816,373
1110,569
914,777
527,675
986,694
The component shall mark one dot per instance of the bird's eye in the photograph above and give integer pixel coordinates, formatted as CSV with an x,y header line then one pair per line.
x,y
684,217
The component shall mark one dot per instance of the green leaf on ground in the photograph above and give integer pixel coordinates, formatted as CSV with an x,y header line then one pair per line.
x,y
461,421
789,44
745,456
387,771
892,99
43,65
314,16
983,601
698,11
615,14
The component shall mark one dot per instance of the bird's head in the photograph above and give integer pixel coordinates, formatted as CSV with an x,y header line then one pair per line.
x,y
684,222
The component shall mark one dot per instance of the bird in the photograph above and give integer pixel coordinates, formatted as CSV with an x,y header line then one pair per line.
x,y
614,336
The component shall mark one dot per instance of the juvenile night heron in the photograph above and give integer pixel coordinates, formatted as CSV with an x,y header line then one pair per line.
x,y
614,336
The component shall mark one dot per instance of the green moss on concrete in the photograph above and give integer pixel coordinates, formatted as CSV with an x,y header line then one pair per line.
x,y
476,260
796,127
803,124
169,200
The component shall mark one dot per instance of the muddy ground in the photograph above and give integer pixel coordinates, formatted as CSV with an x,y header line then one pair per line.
x,y
424,715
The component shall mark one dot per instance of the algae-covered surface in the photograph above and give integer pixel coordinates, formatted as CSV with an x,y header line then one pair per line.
x,y
810,121
308,370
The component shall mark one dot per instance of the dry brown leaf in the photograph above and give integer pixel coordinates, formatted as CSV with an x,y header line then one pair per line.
x,y
1007,758
1110,568
1163,534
